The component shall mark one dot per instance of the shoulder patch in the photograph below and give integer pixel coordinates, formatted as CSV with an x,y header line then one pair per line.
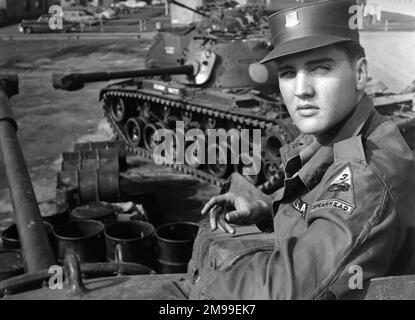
x,y
300,206
342,182
333,203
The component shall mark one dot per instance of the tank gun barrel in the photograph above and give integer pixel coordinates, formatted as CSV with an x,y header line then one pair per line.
x,y
189,8
37,252
76,81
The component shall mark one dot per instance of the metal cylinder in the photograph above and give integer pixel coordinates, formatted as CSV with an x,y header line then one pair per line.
x,y
11,239
66,198
98,211
93,185
119,145
98,159
37,253
85,238
174,246
57,218
132,241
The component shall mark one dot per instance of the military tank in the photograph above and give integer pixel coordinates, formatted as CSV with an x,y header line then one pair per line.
x,y
222,18
209,80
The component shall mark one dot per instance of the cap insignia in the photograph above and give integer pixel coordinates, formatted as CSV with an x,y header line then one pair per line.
x,y
291,19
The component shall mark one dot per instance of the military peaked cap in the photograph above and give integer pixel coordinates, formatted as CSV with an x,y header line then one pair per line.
x,y
312,26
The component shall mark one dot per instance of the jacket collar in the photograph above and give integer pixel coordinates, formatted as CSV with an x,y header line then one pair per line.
x,y
305,160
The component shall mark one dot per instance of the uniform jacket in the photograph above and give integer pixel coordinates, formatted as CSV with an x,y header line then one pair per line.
x,y
347,206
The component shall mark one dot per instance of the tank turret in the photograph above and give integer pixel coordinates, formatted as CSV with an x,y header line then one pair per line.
x,y
225,19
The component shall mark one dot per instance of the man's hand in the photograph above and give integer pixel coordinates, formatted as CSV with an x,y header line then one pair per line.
x,y
230,208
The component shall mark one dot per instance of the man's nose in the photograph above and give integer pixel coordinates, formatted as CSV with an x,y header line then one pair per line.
x,y
303,86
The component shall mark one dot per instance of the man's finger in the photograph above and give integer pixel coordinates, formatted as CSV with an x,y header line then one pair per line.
x,y
224,225
213,216
212,202
232,216
220,227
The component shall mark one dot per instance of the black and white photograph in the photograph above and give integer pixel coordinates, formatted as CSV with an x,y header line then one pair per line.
x,y
228,151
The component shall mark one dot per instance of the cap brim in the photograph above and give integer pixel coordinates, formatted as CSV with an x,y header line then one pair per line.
x,y
303,44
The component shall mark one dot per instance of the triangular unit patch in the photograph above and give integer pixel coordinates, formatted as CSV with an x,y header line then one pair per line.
x,y
342,182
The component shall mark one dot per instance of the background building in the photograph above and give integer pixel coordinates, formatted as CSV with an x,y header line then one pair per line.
x,y
406,7
11,10
16,9
180,16
93,3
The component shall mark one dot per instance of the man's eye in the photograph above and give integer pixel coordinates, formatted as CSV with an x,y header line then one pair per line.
x,y
286,74
321,68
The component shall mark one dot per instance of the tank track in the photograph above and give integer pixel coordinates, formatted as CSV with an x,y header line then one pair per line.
x,y
256,121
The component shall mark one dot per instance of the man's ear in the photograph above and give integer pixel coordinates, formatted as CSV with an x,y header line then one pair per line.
x,y
362,71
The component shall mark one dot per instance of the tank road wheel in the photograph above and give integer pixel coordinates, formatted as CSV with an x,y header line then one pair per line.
x,y
209,122
273,174
118,110
222,166
148,136
255,178
191,159
149,130
186,116
165,113
194,125
272,168
273,140
146,109
271,146
134,127
171,122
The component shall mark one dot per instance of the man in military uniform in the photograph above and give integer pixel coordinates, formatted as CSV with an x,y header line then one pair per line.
x,y
347,201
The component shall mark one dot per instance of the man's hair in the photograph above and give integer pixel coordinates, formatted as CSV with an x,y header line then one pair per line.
x,y
353,50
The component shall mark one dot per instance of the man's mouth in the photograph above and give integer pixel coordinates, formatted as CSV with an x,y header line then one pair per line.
x,y
307,110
